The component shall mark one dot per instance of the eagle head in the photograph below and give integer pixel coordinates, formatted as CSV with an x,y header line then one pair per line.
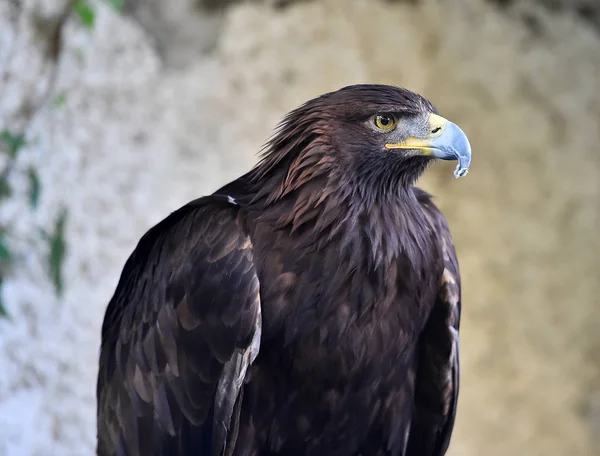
x,y
364,137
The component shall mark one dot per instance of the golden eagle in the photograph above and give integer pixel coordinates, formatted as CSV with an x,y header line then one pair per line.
x,y
310,307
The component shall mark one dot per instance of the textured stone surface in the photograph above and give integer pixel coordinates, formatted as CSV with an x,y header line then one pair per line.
x,y
137,137
181,31
587,11
184,30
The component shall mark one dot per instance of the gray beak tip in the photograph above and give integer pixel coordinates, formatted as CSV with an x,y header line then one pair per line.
x,y
460,172
459,145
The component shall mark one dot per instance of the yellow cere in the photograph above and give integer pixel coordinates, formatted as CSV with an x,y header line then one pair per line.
x,y
436,125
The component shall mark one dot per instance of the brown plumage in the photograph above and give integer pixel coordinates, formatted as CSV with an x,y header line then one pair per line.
x,y
310,307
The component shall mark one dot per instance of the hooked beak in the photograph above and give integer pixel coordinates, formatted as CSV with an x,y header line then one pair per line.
x,y
446,141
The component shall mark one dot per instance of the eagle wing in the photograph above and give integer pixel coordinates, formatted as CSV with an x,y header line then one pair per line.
x,y
178,336
437,379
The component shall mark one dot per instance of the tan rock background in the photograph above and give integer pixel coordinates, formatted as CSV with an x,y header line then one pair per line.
x,y
160,105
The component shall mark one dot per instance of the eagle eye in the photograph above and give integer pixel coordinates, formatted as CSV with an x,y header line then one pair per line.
x,y
385,122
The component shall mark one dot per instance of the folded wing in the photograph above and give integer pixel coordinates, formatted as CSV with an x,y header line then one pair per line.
x,y
437,379
178,336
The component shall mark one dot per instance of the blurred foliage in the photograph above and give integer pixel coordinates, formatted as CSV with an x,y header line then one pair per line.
x,y
5,190
34,187
5,259
11,144
116,4
58,248
59,100
85,11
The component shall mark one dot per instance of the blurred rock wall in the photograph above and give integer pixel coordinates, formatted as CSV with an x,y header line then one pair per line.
x,y
132,117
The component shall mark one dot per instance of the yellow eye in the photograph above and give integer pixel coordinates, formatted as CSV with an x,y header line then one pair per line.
x,y
385,122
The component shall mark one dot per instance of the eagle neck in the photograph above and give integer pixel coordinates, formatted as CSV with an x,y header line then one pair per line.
x,y
368,229
387,226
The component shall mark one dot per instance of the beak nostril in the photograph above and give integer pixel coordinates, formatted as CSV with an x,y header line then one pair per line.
x,y
435,130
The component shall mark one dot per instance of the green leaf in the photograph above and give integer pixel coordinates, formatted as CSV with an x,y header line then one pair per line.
x,y
5,188
5,255
14,142
59,100
86,13
116,4
3,311
58,248
34,187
